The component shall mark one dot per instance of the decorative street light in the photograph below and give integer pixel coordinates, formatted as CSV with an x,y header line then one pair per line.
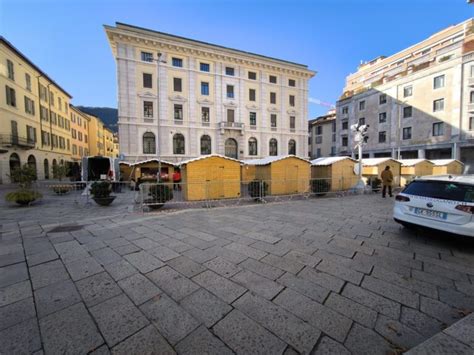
x,y
361,138
158,112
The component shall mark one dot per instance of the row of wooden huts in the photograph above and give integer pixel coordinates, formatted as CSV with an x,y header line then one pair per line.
x,y
216,176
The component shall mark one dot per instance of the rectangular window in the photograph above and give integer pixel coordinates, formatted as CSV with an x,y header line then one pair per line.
x,y
79,136
333,151
73,133
177,84
345,110
292,100
438,105
177,62
205,114
204,89
273,98
253,118
472,71
53,118
273,120
344,141
407,133
11,96
229,71
318,152
345,125
230,115
292,122
438,82
44,113
204,67
382,117
11,70
252,95
471,123
407,91
85,138
178,112
382,137
272,79
407,112
30,134
147,57
60,104
230,91
382,99
51,98
362,121
147,80
43,93
438,129
28,81
147,109
333,126
292,82
74,149
29,106
319,130
252,75
361,105
318,140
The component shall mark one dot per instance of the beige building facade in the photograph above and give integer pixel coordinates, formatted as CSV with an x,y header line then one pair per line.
x,y
322,136
34,116
207,99
419,103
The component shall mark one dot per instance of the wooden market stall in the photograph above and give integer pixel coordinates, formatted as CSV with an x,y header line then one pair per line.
x,y
125,171
414,167
373,167
210,177
147,171
447,166
284,174
339,172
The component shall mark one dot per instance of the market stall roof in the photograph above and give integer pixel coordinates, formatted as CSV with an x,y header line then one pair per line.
x,y
325,161
269,160
184,162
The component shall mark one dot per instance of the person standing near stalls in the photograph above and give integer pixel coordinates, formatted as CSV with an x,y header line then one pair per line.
x,y
387,179
177,180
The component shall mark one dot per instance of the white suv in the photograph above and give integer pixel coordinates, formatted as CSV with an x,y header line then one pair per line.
x,y
444,203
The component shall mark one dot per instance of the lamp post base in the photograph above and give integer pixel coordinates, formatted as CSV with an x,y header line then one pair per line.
x,y
359,187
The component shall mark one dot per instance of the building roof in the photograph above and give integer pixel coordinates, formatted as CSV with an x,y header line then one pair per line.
x,y
269,160
375,161
412,162
184,162
121,25
325,161
26,59
442,162
146,161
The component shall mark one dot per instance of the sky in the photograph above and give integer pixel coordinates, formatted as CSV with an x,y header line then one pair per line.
x,y
66,38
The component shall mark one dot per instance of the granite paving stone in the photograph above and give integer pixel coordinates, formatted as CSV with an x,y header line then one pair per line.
x,y
9,259
439,310
279,321
105,256
463,330
263,269
172,320
118,318
12,274
304,287
22,338
223,288
39,258
126,249
398,294
70,330
55,297
258,284
456,299
146,341
83,268
322,279
399,334
283,263
246,250
421,322
303,258
205,307
440,344
245,336
222,267
120,269
143,261
97,288
16,312
163,253
15,292
48,273
353,310
202,341
362,340
139,288
278,249
340,271
327,346
186,266
172,282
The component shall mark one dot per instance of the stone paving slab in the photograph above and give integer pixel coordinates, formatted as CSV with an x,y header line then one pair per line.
x,y
317,276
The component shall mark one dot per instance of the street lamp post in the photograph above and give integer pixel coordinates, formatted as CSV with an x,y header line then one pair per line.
x,y
360,136
158,112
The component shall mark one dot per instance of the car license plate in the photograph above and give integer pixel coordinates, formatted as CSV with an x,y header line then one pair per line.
x,y
429,213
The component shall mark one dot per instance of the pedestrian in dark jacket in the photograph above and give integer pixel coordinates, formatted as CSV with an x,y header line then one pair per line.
x,y
387,179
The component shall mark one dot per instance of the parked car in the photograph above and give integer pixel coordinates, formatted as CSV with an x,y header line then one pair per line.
x,y
444,203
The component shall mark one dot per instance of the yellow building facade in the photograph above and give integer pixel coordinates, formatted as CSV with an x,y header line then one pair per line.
x,y
34,116
79,134
96,136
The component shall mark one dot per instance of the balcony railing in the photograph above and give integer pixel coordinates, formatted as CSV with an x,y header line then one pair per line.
x,y
470,107
8,140
231,125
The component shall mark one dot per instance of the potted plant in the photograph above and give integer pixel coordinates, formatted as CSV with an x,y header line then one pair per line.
x,y
320,187
258,189
59,172
158,195
100,191
24,195
375,184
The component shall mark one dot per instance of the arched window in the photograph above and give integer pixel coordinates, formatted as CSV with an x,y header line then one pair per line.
x,y
273,147
253,146
231,148
14,163
46,169
149,143
292,147
32,163
205,145
178,144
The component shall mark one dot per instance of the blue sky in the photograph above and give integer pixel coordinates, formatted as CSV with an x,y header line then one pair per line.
x,y
66,38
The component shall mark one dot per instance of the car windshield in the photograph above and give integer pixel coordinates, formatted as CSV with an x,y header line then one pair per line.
x,y
445,190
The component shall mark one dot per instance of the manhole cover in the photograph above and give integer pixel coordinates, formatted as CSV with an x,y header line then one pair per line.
x,y
65,228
